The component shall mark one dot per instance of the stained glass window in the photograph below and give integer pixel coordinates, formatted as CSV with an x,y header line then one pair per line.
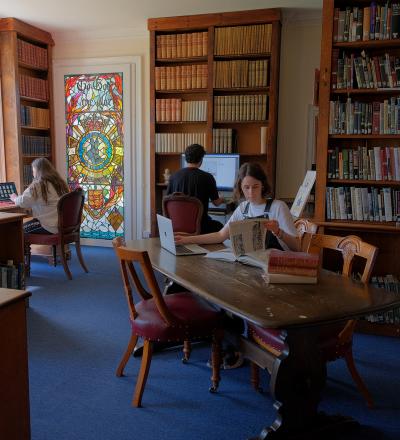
x,y
95,153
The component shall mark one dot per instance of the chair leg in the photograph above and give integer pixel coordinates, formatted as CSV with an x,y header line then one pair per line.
x,y
216,361
128,352
143,373
27,255
54,255
64,262
357,379
255,376
80,256
187,349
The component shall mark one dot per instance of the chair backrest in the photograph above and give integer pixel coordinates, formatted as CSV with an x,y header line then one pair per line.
x,y
69,209
184,211
305,229
131,279
349,247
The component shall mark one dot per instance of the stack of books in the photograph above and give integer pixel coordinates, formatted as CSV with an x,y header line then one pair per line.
x,y
288,267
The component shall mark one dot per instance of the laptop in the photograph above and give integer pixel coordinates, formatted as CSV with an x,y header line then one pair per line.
x,y
6,189
168,242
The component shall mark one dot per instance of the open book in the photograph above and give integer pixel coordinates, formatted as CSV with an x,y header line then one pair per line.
x,y
247,240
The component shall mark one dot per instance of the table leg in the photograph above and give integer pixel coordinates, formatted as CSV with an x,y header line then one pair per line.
x,y
297,381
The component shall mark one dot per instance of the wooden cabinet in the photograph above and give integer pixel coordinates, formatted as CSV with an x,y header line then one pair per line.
x,y
14,383
27,97
358,155
214,81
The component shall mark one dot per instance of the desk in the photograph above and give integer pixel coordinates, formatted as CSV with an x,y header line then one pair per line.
x,y
298,376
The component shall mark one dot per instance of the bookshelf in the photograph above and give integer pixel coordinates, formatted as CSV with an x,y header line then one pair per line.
x,y
27,97
358,145
214,80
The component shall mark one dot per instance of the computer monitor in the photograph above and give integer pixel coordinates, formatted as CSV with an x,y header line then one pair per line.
x,y
224,168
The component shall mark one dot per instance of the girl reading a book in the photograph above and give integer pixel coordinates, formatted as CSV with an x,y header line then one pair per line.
x,y
252,185
41,197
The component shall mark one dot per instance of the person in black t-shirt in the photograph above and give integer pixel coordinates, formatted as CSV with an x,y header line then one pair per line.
x,y
194,182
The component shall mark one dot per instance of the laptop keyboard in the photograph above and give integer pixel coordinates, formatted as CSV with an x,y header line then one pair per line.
x,y
183,249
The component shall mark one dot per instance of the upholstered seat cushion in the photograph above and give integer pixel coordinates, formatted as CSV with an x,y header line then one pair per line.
x,y
268,336
46,239
199,319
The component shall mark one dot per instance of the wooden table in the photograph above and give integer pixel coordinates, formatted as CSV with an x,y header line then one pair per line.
x,y
14,387
298,376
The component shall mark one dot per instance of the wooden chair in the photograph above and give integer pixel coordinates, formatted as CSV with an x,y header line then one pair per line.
x,y
336,342
178,317
305,229
69,210
184,211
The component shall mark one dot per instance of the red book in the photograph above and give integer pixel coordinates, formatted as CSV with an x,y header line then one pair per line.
x,y
279,258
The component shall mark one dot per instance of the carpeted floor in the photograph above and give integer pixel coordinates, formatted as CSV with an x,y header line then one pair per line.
x,y
77,331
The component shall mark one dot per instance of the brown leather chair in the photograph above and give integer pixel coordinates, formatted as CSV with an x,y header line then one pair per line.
x,y
178,317
69,209
337,341
184,211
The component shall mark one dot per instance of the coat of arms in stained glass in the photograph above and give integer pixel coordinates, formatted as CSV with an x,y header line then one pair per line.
x,y
95,153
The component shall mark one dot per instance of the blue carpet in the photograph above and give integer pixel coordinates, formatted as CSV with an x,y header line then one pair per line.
x,y
78,330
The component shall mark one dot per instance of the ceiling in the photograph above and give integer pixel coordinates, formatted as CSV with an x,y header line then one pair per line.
x,y
76,19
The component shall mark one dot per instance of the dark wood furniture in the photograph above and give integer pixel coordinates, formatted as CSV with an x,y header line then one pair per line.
x,y
178,317
69,208
216,45
336,342
184,211
27,97
14,384
299,373
383,234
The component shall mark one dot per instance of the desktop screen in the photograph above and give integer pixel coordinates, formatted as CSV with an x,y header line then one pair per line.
x,y
224,168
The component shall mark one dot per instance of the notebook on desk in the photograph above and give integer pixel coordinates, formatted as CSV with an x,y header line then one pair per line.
x,y
6,189
168,242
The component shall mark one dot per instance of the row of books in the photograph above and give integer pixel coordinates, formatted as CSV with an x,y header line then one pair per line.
x,y
12,275
363,71
363,163
36,145
35,117
362,204
186,45
31,87
32,54
241,73
365,117
223,140
390,283
178,110
239,40
240,108
191,76
374,22
177,142
27,175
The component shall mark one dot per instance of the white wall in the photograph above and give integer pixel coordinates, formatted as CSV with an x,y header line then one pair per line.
x,y
299,57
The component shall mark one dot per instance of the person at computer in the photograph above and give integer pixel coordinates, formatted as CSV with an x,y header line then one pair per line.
x,y
41,197
252,185
194,182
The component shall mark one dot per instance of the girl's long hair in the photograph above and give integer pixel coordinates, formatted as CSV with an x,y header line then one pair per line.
x,y
45,174
252,169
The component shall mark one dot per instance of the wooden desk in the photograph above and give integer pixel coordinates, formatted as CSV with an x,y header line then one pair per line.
x,y
298,376
14,386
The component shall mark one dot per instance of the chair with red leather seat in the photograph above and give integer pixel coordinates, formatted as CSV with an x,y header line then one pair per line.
x,y
184,211
178,317
69,210
337,341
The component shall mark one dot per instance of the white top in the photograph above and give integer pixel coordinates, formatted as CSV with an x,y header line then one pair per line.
x,y
46,213
278,211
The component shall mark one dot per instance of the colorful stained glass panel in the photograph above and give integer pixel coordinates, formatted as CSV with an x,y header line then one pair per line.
x,y
95,153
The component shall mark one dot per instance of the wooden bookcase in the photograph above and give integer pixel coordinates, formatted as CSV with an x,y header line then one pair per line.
x,y
354,71
215,76
27,97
